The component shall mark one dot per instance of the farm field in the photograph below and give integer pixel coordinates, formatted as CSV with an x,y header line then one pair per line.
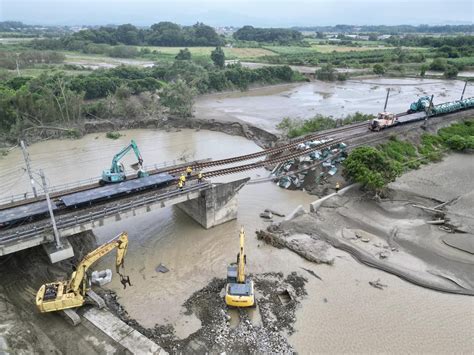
x,y
230,53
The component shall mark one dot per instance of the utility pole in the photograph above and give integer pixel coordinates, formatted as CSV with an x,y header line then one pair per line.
x,y
386,100
50,208
465,84
28,168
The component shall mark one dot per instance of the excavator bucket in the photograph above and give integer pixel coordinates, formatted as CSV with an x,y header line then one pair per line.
x,y
135,166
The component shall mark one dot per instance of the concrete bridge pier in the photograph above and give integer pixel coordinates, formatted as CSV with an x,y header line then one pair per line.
x,y
216,205
56,254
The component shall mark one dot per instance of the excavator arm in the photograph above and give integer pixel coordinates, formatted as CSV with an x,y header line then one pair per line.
x,y
117,157
120,242
241,259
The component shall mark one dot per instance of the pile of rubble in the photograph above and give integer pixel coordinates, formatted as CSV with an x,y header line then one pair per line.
x,y
292,173
277,300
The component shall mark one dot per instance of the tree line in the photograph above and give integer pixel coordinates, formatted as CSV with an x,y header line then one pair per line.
x,y
160,34
268,35
57,98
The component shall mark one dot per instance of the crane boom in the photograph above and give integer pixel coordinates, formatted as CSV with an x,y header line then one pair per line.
x,y
120,242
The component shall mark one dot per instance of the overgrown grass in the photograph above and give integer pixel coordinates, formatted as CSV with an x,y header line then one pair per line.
x,y
457,137
375,167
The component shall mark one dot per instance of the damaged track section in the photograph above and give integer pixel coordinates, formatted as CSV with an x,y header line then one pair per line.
x,y
277,300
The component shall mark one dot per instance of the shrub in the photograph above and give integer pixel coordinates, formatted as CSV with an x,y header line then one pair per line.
x,y
326,73
451,72
113,135
122,51
371,168
438,64
184,54
379,69
457,142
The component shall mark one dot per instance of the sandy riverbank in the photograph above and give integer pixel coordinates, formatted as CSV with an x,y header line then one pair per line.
x,y
397,236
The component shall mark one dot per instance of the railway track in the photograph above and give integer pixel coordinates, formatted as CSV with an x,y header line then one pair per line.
x,y
270,151
205,164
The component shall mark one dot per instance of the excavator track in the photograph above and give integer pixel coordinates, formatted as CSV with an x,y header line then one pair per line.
x,y
95,299
71,316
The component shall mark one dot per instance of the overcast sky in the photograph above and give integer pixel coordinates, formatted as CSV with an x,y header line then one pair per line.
x,y
239,12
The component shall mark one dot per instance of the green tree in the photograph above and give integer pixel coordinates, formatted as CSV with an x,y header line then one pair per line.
x,y
451,72
326,73
379,69
371,168
179,98
373,37
423,70
184,54
122,51
438,64
218,57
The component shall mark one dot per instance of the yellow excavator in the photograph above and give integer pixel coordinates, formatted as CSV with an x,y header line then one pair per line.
x,y
239,290
73,293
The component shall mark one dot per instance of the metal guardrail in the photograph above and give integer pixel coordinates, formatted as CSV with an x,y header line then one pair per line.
x,y
91,216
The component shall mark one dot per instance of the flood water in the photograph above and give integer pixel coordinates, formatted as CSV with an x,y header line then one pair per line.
x,y
266,107
342,313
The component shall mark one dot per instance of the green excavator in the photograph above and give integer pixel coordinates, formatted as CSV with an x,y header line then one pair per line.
x,y
117,171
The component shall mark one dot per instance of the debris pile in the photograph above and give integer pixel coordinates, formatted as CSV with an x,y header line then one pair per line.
x,y
292,173
216,334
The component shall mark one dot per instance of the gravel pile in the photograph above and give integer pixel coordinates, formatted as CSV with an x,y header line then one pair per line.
x,y
277,299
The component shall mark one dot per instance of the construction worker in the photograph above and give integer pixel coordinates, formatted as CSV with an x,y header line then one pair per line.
x,y
180,184
182,178
189,170
337,187
200,176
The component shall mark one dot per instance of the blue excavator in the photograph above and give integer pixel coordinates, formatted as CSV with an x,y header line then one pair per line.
x,y
117,171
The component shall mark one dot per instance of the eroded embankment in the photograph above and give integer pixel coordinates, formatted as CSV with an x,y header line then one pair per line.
x,y
260,136
423,235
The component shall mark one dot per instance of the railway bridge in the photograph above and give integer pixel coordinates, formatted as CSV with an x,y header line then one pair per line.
x,y
210,204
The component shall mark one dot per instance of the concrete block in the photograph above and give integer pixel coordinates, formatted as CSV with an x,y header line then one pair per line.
x,y
298,211
122,333
101,278
56,255
314,206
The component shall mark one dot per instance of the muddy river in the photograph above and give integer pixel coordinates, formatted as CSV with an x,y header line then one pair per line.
x,y
341,313
265,107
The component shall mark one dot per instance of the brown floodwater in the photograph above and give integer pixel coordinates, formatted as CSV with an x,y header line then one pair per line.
x,y
355,318
266,107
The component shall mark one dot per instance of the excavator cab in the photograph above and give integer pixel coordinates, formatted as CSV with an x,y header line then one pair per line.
x,y
239,290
